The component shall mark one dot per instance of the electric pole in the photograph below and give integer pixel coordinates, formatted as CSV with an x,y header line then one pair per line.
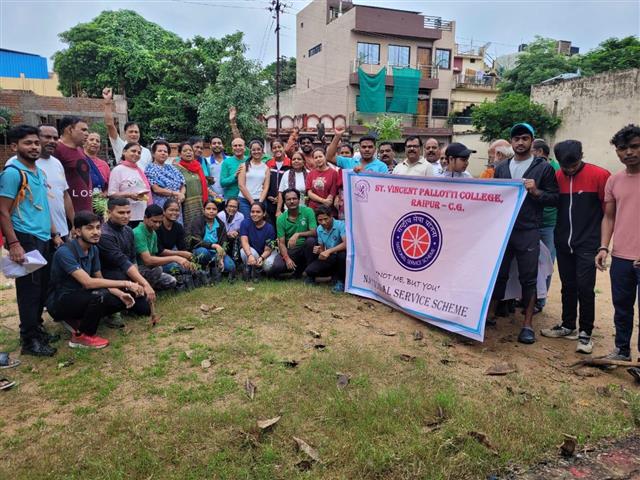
x,y
278,6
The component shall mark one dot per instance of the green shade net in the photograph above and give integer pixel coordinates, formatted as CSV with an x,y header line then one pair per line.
x,y
406,82
372,96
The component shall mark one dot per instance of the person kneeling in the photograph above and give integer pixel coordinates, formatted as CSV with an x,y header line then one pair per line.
x,y
331,250
150,261
207,236
82,296
257,237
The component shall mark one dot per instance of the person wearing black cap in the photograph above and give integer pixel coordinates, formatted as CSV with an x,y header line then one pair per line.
x,y
457,156
524,244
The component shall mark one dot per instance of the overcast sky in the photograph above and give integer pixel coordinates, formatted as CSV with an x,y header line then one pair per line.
x,y
33,26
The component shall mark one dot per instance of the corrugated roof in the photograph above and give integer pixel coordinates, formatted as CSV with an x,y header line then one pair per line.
x,y
13,63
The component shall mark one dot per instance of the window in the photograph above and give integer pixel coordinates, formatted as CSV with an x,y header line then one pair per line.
x,y
443,58
369,53
440,107
314,50
399,56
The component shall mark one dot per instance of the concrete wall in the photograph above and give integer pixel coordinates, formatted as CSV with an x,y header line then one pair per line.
x,y
40,86
478,161
592,109
462,97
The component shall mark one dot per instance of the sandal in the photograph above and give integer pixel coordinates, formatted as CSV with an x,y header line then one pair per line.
x,y
6,362
6,384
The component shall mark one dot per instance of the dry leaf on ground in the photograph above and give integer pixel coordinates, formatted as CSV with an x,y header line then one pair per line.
x,y
405,357
568,447
501,368
206,363
311,309
306,448
388,333
343,380
250,388
483,439
264,424
418,335
314,334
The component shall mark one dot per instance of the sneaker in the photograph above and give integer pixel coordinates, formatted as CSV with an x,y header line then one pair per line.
x,y
616,355
36,347
558,331
114,321
232,276
585,345
338,287
81,340
309,281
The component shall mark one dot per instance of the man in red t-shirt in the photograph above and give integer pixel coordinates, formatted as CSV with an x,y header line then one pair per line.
x,y
74,132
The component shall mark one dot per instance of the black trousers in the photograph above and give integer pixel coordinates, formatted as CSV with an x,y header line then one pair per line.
x,y
87,307
578,276
141,307
524,245
335,266
31,290
302,256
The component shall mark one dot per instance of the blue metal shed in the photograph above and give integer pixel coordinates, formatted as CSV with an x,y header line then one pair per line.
x,y
13,63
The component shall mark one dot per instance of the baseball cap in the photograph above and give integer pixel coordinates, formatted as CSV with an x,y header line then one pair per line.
x,y
522,129
458,150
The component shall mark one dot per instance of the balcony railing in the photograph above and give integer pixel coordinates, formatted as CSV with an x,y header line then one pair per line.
x,y
407,120
476,81
438,23
428,71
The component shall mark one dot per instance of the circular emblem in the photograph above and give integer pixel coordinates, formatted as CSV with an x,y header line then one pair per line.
x,y
416,240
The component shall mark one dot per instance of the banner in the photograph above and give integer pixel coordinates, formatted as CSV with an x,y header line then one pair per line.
x,y
429,246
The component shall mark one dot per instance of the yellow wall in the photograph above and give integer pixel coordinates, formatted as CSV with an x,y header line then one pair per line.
x,y
46,87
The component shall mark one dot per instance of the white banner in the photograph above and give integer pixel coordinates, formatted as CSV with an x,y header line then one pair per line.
x,y
430,247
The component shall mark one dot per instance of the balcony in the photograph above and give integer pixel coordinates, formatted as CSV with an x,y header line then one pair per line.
x,y
476,82
411,124
398,23
438,23
428,78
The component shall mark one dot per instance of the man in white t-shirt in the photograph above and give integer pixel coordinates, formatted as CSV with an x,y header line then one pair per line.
x,y
131,133
60,204
413,164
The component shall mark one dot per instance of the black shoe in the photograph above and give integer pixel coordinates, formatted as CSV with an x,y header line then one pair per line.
x,y
36,347
255,274
47,337
527,336
232,276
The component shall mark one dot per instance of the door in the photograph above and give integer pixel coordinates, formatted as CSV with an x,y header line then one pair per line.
x,y
424,61
422,112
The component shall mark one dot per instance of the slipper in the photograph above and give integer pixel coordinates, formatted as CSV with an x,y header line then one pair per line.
x,y
527,336
6,384
6,362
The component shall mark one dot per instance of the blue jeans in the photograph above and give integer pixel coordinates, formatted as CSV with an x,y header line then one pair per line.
x,y
546,235
625,288
204,257
244,207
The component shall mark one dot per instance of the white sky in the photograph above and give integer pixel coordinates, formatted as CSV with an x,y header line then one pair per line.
x,y
33,26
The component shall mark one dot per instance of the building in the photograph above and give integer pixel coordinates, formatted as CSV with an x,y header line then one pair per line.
x,y
27,72
335,37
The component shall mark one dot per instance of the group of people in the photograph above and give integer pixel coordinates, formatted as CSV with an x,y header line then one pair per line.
x,y
113,237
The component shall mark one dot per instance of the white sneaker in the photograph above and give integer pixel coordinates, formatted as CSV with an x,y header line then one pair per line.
x,y
558,331
585,345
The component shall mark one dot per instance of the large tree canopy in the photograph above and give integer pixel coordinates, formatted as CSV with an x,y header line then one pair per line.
x,y
612,54
162,75
287,74
494,119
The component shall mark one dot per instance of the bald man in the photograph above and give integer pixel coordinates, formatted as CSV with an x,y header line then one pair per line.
x,y
498,151
432,155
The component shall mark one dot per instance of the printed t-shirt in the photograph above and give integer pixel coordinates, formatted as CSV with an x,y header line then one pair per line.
x,y
332,237
306,220
31,215
76,169
624,189
350,163
322,184
146,241
258,237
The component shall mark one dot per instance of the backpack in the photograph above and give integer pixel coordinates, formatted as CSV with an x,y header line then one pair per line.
x,y
22,189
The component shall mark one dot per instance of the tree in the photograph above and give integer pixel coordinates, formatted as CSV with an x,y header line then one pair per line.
x,y
495,119
539,62
612,54
386,128
240,84
162,75
287,74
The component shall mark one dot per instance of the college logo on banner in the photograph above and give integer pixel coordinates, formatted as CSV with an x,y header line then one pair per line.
x,y
416,240
429,246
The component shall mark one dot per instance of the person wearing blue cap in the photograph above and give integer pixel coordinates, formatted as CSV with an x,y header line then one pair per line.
x,y
524,244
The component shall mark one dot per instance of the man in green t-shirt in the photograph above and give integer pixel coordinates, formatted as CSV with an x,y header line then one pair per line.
x,y
151,263
540,148
296,232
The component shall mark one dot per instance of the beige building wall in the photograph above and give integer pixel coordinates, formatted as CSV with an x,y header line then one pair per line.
x,y
592,109
47,87
463,97
471,138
